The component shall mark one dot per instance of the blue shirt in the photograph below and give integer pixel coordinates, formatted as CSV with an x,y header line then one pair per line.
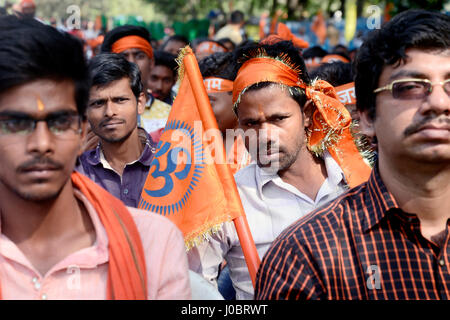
x,y
127,187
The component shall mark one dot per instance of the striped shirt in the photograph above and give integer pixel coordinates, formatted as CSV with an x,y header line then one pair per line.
x,y
360,246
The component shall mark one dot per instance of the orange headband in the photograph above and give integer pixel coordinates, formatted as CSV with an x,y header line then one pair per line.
x,y
130,42
263,69
209,47
330,128
346,93
333,58
214,85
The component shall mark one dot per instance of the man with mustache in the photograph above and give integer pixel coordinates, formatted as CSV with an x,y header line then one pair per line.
x,y
61,235
121,160
302,159
389,237
134,43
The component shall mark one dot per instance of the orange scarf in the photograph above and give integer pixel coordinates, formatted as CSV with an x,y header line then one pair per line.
x,y
130,42
330,129
127,276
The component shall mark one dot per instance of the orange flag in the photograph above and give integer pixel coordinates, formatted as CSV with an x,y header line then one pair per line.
x,y
189,180
319,27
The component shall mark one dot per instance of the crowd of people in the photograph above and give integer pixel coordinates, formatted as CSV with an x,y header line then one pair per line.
x,y
349,200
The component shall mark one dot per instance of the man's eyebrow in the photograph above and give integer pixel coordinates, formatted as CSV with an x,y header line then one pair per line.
x,y
407,74
19,114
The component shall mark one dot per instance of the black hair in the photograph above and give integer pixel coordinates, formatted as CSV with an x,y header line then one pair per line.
x,y
219,65
175,37
336,73
108,67
223,41
419,29
237,16
124,31
166,59
30,50
285,48
313,52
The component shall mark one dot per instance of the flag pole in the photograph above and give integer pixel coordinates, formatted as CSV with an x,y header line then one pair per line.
x,y
206,114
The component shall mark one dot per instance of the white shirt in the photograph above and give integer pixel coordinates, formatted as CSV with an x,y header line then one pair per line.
x,y
271,205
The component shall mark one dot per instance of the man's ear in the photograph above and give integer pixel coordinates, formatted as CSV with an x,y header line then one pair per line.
x,y
141,101
308,110
366,124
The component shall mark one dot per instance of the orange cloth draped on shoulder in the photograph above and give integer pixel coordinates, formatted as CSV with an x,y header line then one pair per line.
x,y
330,129
130,42
127,274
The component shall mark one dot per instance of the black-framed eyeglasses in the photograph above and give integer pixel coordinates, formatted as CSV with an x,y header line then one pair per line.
x,y
58,124
409,89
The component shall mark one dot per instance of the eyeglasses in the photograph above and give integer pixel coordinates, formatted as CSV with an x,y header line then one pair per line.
x,y
59,124
408,89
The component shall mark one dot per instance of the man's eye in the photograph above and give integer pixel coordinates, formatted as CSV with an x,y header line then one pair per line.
x,y
15,125
250,123
141,56
96,104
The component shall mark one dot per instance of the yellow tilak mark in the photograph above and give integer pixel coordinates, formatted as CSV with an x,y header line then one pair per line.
x,y
40,105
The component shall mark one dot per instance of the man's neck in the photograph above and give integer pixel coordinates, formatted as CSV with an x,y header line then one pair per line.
x,y
307,173
46,231
119,154
420,188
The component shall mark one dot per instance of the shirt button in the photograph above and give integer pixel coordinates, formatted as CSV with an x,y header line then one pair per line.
x,y
442,262
44,296
125,191
37,285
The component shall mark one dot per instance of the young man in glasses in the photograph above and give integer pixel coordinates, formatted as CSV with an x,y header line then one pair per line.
x,y
61,235
389,237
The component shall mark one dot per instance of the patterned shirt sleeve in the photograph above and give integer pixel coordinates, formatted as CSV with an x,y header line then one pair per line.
x,y
286,273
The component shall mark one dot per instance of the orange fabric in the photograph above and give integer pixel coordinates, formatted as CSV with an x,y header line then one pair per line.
x,y
286,34
346,93
319,27
209,47
30,3
127,276
217,85
127,269
330,129
333,57
200,194
130,42
263,70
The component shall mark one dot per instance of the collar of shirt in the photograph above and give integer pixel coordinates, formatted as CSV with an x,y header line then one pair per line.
x,y
334,173
89,257
96,156
150,99
378,199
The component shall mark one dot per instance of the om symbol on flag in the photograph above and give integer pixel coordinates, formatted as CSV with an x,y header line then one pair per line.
x,y
175,169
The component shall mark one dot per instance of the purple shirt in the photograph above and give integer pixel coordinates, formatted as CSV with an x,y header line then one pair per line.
x,y
127,188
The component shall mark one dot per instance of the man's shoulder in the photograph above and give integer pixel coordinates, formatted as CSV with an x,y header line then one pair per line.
x,y
158,109
86,161
246,175
328,219
149,222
